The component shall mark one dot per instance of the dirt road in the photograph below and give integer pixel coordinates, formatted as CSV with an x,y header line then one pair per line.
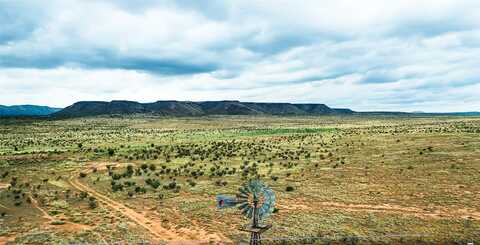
x,y
159,233
423,212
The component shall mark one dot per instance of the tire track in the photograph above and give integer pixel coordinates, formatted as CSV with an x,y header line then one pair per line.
x,y
159,233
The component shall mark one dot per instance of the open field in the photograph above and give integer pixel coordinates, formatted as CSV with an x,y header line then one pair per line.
x,y
350,180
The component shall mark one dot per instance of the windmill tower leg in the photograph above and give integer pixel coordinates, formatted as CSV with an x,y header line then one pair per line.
x,y
255,239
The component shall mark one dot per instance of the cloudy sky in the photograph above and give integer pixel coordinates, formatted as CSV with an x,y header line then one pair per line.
x,y
365,55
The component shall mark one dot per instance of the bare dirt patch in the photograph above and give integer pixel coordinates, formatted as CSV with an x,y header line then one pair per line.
x,y
6,239
4,185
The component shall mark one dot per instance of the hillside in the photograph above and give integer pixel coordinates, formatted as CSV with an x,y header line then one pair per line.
x,y
26,110
187,108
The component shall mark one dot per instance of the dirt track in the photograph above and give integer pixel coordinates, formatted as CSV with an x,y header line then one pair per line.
x,y
437,212
6,239
159,233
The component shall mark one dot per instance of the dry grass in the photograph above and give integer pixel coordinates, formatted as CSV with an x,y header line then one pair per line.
x,y
355,179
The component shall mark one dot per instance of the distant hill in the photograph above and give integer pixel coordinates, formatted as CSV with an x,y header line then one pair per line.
x,y
26,110
187,108
418,113
466,114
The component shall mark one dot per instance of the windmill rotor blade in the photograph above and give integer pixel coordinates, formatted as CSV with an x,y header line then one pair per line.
x,y
240,201
241,195
246,210
255,189
243,206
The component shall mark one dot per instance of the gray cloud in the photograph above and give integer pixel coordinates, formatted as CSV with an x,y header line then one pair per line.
x,y
368,54
16,22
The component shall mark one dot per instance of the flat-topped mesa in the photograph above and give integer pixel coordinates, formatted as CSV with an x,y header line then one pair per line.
x,y
189,108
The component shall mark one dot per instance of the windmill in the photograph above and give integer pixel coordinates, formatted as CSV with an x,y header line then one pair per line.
x,y
256,201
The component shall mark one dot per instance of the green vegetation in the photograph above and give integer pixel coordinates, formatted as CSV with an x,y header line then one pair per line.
x,y
346,179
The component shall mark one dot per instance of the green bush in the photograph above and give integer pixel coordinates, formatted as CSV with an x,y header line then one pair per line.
x,y
111,151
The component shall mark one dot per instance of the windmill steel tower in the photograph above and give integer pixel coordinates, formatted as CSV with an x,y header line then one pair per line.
x,y
256,201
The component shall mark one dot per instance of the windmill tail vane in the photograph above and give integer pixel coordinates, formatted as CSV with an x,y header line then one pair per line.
x,y
224,201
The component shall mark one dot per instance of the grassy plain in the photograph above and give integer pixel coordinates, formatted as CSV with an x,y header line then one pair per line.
x,y
355,180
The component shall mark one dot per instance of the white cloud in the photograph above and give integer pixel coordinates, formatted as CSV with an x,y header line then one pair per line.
x,y
395,55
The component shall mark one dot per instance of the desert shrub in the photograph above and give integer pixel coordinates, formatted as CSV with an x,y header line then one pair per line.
x,y
130,194
83,174
138,172
5,174
221,183
170,186
154,183
117,186
191,182
83,195
111,151
59,204
116,176
129,183
13,181
92,203
57,222
139,189
289,188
